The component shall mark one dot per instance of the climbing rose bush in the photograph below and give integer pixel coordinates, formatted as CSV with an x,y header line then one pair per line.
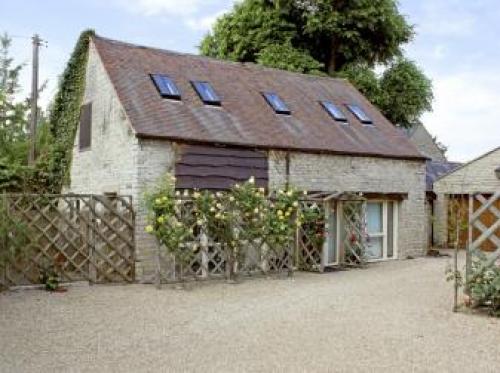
x,y
233,218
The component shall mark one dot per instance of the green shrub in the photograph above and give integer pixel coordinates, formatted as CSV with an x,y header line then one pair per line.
x,y
484,283
233,218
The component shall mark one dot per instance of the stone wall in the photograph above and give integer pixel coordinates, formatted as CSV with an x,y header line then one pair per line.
x,y
117,161
477,176
363,174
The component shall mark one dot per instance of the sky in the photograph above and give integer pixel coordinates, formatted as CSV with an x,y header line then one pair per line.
x,y
457,45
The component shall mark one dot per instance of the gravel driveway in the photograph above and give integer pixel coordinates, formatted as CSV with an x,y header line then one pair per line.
x,y
389,317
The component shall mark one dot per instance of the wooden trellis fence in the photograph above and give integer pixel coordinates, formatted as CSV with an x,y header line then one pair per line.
x,y
207,257
313,237
80,237
478,231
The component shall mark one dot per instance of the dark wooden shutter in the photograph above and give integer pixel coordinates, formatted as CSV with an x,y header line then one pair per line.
x,y
219,168
85,126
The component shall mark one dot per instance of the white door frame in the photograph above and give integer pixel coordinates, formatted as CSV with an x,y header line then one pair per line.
x,y
385,225
332,207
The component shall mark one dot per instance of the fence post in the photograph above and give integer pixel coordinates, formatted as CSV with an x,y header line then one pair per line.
x,y
468,253
5,242
204,254
92,239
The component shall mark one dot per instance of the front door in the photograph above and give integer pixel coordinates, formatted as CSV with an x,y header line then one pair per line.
x,y
375,226
330,248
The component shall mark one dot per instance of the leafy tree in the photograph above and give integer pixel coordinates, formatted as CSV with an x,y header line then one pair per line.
x,y
13,115
15,175
346,38
286,57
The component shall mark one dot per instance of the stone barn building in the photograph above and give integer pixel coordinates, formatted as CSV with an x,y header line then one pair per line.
x,y
147,112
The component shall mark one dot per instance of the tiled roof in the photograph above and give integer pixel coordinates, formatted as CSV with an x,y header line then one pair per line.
x,y
437,169
244,118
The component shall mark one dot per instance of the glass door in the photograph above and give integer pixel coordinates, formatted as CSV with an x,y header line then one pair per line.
x,y
330,247
375,227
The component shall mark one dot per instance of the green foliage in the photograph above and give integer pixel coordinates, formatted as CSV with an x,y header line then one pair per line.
x,y
49,275
313,225
484,283
233,218
15,175
243,33
65,113
346,38
345,32
286,57
365,80
15,242
402,93
406,93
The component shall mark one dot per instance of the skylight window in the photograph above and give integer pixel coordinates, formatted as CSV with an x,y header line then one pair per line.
x,y
360,114
206,93
276,103
166,86
335,112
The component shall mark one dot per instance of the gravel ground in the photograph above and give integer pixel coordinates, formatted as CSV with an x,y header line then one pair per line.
x,y
389,317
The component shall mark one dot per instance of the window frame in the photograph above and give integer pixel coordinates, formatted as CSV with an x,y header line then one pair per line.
x,y
325,105
197,86
360,114
284,110
85,114
174,96
385,229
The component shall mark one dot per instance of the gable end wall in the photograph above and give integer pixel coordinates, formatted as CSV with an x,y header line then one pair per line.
x,y
476,177
117,160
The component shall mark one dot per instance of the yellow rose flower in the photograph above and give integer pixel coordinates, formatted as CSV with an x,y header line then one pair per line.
x,y
149,229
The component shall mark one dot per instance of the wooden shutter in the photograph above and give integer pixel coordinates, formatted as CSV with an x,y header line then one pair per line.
x,y
85,126
210,167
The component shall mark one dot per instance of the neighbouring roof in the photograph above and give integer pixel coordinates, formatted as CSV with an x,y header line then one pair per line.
x,y
462,165
244,118
436,169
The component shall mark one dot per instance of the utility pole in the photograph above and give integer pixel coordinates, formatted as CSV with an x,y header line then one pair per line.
x,y
37,42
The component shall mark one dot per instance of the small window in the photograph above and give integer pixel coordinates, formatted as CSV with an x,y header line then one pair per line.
x,y
276,103
335,112
85,139
206,93
166,86
360,114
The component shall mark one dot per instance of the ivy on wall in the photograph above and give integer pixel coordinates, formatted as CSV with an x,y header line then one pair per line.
x,y
65,114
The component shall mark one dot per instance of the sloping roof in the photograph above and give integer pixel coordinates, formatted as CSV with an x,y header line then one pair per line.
x,y
462,165
244,118
435,170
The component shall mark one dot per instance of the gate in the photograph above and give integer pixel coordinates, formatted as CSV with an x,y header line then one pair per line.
x,y
484,227
80,237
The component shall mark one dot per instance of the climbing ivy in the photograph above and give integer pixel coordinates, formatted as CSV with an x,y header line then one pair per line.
x,y
65,114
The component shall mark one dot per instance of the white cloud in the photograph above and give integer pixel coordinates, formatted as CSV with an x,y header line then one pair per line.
x,y
466,114
163,7
192,12
204,23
